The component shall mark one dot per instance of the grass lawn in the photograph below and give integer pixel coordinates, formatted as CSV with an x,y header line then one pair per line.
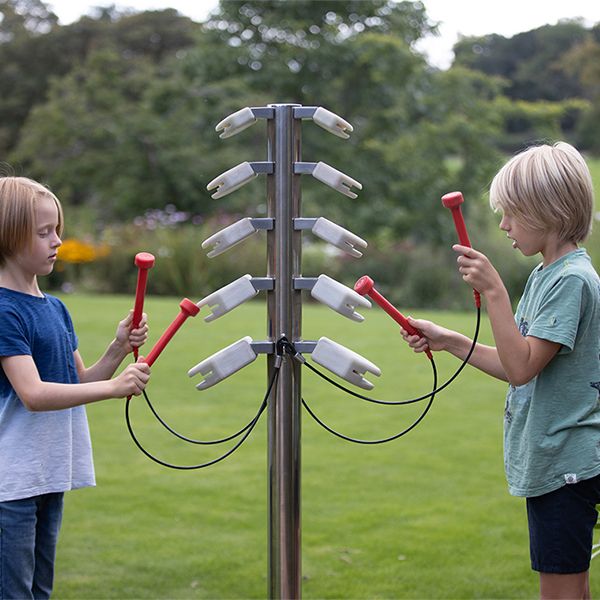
x,y
426,516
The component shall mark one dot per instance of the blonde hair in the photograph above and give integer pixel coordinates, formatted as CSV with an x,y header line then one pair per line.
x,y
18,199
547,187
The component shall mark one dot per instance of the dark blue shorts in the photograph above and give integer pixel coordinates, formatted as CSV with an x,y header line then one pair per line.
x,y
561,527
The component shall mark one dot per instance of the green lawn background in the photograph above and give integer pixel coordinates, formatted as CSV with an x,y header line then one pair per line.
x,y
425,516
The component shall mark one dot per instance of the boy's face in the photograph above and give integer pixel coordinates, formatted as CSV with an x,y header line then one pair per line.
x,y
527,240
40,256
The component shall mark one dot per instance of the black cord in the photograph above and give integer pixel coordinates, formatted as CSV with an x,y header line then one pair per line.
x,y
384,440
191,440
290,348
251,426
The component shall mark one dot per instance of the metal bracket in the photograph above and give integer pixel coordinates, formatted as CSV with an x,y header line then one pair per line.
x,y
265,347
304,283
301,223
265,223
263,283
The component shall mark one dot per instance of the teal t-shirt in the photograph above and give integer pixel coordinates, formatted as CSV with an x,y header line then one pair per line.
x,y
552,423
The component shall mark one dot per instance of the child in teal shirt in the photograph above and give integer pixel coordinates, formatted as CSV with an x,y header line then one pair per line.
x,y
549,354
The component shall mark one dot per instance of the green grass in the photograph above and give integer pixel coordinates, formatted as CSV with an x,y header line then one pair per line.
x,y
593,243
426,516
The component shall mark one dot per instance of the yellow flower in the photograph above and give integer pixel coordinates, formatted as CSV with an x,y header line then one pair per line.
x,y
77,251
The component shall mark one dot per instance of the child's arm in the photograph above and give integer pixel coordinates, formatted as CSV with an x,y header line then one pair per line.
x,y
38,395
123,344
522,357
485,358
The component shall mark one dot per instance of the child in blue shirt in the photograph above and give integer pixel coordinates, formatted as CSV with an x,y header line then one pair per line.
x,y
45,446
549,354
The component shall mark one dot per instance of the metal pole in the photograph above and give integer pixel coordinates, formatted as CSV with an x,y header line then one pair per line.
x,y
284,318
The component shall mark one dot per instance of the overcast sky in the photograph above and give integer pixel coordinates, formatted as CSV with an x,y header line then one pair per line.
x,y
456,17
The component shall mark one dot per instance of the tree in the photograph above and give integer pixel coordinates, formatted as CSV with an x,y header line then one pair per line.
x,y
583,60
124,135
34,49
24,18
529,61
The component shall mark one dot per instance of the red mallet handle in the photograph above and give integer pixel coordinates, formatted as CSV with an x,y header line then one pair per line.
x,y
366,286
453,200
188,309
143,261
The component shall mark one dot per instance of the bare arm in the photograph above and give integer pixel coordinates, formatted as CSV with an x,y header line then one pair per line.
x,y
485,358
123,344
521,357
38,395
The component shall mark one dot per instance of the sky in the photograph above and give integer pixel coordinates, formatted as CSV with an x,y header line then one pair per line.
x,y
456,17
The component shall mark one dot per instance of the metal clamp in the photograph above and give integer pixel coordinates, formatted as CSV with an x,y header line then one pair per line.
x,y
224,363
325,119
242,119
334,234
329,176
236,177
344,362
234,234
228,297
338,297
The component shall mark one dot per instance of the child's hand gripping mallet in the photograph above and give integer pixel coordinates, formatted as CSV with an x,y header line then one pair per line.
x,y
453,200
188,309
366,286
144,261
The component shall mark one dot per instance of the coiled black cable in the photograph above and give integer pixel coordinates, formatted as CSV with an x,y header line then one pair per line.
x,y
188,439
290,349
400,402
249,429
383,440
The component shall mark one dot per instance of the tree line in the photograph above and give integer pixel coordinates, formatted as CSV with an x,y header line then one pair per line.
x,y
116,112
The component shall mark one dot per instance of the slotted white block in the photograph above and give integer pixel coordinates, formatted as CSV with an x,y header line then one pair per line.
x,y
236,122
228,297
332,122
344,362
231,180
340,298
224,363
338,236
335,179
229,236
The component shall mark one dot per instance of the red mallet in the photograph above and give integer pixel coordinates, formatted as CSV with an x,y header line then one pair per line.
x,y
453,200
144,261
366,286
188,309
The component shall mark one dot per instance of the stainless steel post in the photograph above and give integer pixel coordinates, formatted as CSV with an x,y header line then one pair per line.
x,y
284,318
